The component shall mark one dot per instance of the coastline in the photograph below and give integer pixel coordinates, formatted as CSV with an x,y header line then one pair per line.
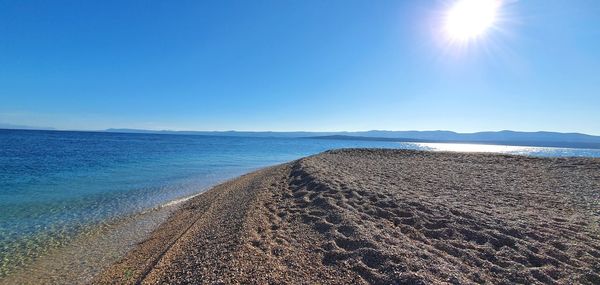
x,y
81,257
383,216
90,251
93,249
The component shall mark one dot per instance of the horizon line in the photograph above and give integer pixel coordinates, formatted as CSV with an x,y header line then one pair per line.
x,y
125,130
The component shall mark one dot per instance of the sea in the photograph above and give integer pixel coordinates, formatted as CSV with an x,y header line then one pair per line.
x,y
57,186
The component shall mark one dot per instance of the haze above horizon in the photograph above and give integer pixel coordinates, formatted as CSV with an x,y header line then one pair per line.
x,y
301,65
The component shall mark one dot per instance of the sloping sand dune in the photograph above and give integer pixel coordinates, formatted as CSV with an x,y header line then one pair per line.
x,y
384,217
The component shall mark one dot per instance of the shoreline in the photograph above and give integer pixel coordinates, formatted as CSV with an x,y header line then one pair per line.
x,y
94,248
116,237
90,250
381,216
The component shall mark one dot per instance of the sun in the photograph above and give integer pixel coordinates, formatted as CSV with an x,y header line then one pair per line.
x,y
467,20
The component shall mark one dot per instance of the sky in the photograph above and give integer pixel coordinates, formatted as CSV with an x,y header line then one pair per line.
x,y
288,65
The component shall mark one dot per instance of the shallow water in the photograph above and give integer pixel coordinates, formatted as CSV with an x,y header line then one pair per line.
x,y
57,186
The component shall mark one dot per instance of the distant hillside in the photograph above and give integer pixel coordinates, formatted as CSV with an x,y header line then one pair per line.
x,y
545,139
359,138
485,136
229,133
412,135
590,145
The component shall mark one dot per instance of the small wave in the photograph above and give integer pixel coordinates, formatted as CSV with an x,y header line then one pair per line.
x,y
180,200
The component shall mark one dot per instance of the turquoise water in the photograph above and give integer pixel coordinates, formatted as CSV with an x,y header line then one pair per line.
x,y
54,184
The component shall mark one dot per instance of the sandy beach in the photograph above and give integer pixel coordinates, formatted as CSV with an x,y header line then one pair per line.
x,y
383,217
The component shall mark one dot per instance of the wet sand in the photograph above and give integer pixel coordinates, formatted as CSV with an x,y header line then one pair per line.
x,y
383,217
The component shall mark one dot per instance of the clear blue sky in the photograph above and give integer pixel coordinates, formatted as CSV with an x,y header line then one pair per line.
x,y
296,65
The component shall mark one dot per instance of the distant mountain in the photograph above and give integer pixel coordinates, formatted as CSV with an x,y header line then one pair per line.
x,y
538,143
228,133
502,137
544,139
484,136
359,138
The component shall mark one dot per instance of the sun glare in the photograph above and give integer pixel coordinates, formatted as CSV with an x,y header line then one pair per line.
x,y
469,19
